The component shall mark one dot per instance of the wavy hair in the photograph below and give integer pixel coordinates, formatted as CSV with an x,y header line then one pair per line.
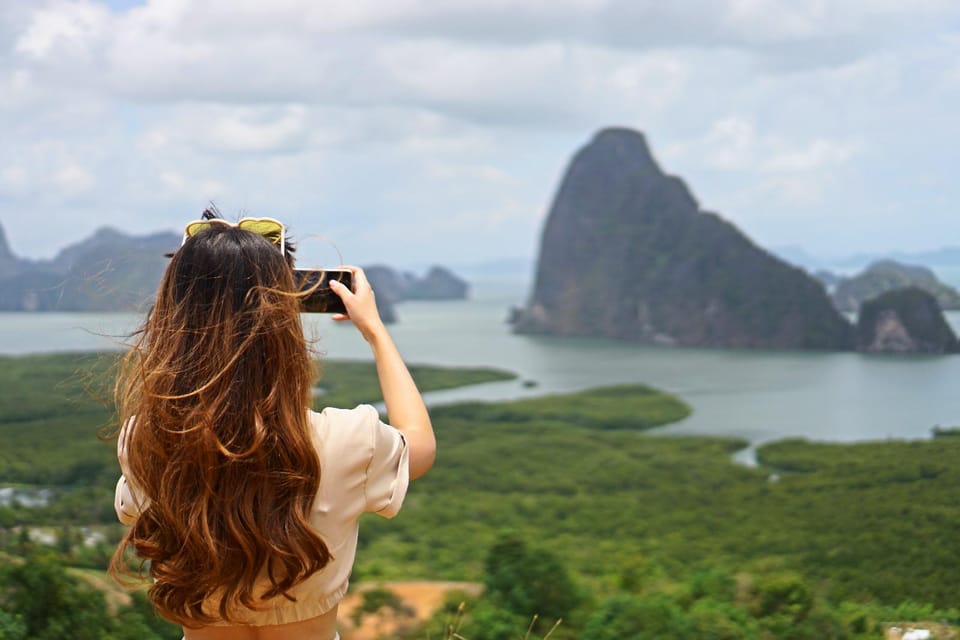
x,y
215,391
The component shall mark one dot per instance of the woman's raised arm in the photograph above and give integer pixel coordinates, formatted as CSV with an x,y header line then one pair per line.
x,y
405,407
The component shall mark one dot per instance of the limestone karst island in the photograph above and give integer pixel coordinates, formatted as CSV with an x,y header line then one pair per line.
x,y
627,253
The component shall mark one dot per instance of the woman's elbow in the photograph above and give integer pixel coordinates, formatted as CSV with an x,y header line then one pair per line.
x,y
422,455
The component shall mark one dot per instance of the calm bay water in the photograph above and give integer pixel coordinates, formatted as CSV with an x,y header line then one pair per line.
x,y
758,396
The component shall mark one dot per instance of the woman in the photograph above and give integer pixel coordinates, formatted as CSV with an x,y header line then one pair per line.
x,y
243,500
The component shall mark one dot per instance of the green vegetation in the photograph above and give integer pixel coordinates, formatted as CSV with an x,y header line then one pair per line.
x,y
709,603
50,410
347,383
561,506
41,600
619,407
615,503
53,406
945,432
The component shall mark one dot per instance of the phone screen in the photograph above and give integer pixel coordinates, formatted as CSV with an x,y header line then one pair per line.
x,y
321,299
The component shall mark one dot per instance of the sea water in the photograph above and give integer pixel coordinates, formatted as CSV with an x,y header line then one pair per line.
x,y
754,395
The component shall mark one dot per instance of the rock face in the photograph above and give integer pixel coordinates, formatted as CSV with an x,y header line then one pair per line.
x,y
907,320
887,275
626,253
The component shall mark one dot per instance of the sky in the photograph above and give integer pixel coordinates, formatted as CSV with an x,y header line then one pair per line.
x,y
413,132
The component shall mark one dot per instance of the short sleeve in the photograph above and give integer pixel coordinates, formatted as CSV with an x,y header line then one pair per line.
x,y
125,503
127,499
388,473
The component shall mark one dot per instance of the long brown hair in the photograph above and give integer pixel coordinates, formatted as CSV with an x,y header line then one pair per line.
x,y
216,390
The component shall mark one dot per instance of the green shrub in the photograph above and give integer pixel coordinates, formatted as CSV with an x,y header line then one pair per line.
x,y
529,582
627,616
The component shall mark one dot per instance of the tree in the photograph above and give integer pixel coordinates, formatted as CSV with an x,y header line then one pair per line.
x,y
12,627
627,616
786,596
489,622
529,582
51,603
718,620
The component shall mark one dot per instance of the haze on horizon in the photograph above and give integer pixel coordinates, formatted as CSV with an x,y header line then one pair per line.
x,y
413,132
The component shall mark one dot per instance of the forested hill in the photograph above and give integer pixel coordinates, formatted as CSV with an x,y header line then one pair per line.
x,y
627,253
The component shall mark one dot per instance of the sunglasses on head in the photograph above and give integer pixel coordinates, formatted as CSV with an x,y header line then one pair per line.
x,y
269,228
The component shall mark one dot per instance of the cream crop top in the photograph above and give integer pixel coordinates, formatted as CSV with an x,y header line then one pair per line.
x,y
364,466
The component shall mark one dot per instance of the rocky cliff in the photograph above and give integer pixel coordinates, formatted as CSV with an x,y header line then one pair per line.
x,y
627,253
907,320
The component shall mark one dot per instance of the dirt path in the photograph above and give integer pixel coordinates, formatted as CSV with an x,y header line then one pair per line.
x,y
420,600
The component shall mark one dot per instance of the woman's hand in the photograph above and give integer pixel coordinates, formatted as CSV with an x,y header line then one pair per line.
x,y
361,305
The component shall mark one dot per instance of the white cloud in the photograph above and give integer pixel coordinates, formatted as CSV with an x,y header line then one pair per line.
x,y
64,30
733,144
818,155
359,109
13,180
183,186
800,189
247,131
373,51
730,144
73,179
494,176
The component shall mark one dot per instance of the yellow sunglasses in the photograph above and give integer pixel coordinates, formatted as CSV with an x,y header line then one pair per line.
x,y
272,230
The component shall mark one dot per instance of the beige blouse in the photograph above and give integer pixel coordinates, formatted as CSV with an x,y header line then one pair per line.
x,y
364,467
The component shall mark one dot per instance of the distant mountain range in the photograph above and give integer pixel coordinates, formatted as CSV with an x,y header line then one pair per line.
x,y
883,276
114,271
948,256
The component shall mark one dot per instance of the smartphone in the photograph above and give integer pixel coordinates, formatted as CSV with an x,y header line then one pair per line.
x,y
321,298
